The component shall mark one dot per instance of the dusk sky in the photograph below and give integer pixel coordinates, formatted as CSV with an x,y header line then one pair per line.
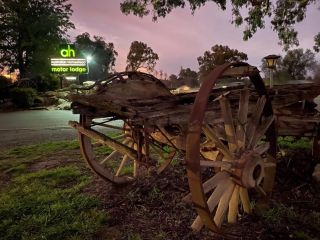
x,y
181,37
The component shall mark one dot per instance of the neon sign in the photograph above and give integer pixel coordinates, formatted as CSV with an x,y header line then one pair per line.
x,y
69,65
67,51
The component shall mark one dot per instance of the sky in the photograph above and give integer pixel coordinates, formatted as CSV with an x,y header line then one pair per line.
x,y
181,37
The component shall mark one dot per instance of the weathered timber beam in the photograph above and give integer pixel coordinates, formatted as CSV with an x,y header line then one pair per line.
x,y
101,138
240,71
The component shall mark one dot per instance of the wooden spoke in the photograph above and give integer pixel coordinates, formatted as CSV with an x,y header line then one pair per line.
x,y
210,163
212,203
228,123
223,148
233,205
244,197
224,203
135,163
260,190
111,155
260,132
166,163
211,183
256,117
123,162
262,148
242,117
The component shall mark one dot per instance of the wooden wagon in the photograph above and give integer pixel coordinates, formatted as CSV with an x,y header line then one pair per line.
x,y
227,133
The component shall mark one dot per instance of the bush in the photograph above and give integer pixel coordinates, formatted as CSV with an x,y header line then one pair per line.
x,y
47,83
4,84
23,97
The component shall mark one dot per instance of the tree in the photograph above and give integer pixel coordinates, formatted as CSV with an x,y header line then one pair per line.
x,y
188,77
218,55
284,14
298,62
174,82
31,30
295,65
316,77
103,55
140,55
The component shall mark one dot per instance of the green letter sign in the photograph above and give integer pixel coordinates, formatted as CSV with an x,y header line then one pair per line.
x,y
67,51
68,63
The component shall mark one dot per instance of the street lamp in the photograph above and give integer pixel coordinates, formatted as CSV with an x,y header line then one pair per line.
x,y
89,59
271,64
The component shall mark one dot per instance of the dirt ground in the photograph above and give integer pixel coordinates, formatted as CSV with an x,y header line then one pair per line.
x,y
151,208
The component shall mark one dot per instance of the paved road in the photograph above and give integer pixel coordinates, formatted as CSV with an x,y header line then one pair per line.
x,y
37,126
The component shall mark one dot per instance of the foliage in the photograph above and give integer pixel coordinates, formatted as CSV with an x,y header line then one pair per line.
x,y
297,62
293,143
317,41
102,53
188,77
293,66
284,14
174,82
218,55
317,73
30,31
4,82
48,205
140,55
46,82
23,97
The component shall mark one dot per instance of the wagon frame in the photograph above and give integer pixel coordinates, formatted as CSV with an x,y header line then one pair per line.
x,y
228,134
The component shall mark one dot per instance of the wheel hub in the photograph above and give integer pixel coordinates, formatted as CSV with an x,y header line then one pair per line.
x,y
250,169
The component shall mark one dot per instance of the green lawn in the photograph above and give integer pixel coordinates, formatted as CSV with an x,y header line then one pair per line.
x,y
49,203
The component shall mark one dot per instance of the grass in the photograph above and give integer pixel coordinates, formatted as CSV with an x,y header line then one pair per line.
x,y
49,203
16,160
281,215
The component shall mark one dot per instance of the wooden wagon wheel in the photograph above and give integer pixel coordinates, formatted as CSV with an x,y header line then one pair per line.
x,y
118,166
244,162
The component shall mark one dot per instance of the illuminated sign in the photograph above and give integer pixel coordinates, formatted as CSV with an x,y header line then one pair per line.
x,y
69,65
67,51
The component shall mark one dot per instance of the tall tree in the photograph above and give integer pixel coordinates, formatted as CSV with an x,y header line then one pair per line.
x,y
31,30
284,14
102,54
188,77
298,62
140,55
218,55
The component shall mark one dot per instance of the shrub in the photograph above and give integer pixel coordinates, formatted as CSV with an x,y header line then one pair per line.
x,y
47,83
23,97
4,83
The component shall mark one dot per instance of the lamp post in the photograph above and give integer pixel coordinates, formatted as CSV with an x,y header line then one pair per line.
x,y
271,61
89,59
